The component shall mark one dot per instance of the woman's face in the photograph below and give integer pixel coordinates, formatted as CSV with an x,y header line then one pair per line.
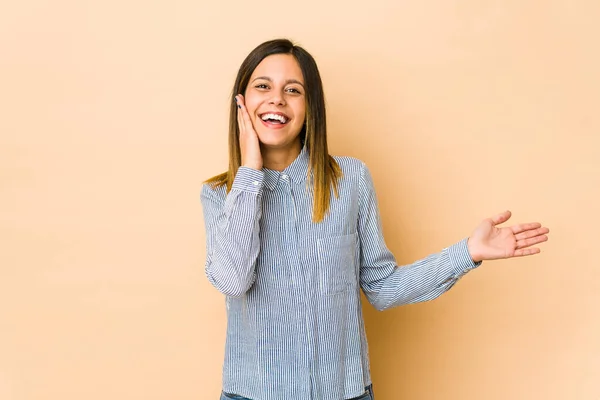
x,y
275,99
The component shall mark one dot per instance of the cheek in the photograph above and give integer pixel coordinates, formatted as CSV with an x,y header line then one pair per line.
x,y
251,109
300,112
251,103
301,118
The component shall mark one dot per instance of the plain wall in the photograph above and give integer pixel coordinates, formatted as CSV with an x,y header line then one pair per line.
x,y
112,113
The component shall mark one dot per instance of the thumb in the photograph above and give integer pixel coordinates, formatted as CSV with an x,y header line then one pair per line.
x,y
500,218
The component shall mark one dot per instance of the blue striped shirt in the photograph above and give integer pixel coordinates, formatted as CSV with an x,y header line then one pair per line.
x,y
295,327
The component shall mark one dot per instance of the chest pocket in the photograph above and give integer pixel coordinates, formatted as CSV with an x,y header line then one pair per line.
x,y
337,263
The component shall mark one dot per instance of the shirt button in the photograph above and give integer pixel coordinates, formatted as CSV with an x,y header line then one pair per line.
x,y
255,183
284,176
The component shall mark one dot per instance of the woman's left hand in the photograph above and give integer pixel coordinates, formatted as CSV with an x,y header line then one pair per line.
x,y
489,242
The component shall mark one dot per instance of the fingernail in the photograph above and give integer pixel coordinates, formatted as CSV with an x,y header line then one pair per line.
x,y
239,106
235,98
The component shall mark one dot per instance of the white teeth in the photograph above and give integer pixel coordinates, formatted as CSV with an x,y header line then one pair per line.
x,y
278,117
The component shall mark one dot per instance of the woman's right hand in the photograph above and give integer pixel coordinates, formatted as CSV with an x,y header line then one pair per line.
x,y
249,143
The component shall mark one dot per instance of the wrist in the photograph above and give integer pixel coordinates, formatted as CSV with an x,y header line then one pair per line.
x,y
254,164
475,256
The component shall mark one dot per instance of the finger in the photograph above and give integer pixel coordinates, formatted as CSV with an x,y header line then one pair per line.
x,y
526,252
531,233
500,218
530,242
245,116
239,116
517,229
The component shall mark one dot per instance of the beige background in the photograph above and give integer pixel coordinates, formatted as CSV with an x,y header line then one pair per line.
x,y
113,112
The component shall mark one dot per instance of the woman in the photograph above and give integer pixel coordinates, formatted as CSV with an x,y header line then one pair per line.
x,y
293,235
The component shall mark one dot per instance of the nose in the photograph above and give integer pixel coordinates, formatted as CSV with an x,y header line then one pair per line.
x,y
277,98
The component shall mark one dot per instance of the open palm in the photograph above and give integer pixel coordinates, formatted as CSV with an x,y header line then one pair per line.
x,y
490,242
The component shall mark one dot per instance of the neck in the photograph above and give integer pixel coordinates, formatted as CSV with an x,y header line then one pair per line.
x,y
280,159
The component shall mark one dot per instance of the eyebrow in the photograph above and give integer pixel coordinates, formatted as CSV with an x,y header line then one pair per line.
x,y
266,78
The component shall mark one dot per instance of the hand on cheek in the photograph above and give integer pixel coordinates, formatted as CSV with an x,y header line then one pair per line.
x,y
249,143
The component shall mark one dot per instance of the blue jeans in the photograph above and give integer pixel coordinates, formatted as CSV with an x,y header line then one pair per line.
x,y
368,395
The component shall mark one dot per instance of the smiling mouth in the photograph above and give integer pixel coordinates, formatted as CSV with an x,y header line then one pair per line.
x,y
276,119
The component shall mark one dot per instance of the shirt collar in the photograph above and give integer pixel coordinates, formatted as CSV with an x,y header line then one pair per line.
x,y
296,171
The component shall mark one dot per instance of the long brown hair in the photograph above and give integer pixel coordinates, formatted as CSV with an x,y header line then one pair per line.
x,y
323,171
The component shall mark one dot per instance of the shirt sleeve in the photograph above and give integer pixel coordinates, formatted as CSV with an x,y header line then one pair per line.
x,y
232,232
387,284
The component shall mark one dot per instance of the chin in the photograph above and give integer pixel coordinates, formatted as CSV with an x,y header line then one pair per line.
x,y
273,144
272,140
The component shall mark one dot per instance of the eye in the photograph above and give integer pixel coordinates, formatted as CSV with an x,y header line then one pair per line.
x,y
294,90
261,86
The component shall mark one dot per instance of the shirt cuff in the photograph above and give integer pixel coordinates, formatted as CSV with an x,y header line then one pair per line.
x,y
248,180
461,258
